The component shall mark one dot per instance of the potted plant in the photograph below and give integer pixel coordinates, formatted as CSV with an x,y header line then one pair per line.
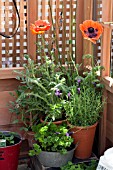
x,y
44,88
25,105
56,91
42,93
83,111
54,146
10,143
84,108
90,165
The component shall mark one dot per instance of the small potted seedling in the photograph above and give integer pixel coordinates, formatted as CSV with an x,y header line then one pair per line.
x,y
10,143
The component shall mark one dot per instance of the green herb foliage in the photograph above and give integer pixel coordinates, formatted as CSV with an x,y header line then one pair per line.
x,y
42,93
9,137
81,166
85,103
52,138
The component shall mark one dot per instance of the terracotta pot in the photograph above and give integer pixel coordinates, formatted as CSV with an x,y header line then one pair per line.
x,y
30,138
84,138
56,122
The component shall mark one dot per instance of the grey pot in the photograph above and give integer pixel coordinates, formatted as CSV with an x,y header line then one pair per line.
x,y
55,159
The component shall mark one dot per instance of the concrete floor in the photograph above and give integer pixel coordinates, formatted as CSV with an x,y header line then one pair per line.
x,y
23,167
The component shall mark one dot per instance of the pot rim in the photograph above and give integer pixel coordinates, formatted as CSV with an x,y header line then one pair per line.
x,y
56,122
59,152
16,135
81,127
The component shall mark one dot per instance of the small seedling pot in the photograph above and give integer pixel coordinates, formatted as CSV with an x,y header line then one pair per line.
x,y
9,154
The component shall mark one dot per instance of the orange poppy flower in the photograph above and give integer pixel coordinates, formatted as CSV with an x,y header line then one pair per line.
x,y
40,26
91,30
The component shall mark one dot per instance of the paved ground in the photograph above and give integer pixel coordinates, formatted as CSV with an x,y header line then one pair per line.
x,y
23,167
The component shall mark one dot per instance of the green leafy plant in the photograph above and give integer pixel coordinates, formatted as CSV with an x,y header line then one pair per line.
x,y
85,103
81,166
51,138
8,137
57,91
25,106
42,93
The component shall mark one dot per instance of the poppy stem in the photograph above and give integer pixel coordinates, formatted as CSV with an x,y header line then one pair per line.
x,y
54,33
92,58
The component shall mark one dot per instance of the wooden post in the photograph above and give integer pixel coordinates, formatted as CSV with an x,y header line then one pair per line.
x,y
32,17
0,35
6,31
79,38
105,61
106,38
87,45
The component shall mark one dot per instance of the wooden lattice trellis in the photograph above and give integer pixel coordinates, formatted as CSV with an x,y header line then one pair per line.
x,y
98,11
62,16
98,18
12,50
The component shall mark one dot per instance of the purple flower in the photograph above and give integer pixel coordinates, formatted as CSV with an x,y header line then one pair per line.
x,y
69,94
70,133
58,93
78,90
79,81
67,134
57,133
94,83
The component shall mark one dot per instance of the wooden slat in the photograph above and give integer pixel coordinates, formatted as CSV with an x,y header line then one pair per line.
x,y
7,29
5,97
72,29
105,57
71,18
105,61
109,133
87,45
64,4
8,84
7,73
106,39
38,10
32,17
21,29
102,127
57,10
13,47
0,31
5,116
79,38
44,10
108,83
110,107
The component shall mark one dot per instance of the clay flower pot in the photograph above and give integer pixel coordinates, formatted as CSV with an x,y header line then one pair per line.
x,y
84,138
31,139
56,122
